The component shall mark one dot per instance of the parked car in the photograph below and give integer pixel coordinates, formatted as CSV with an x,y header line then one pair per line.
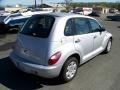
x,y
114,17
2,18
12,16
55,44
94,14
78,11
12,23
4,13
16,21
3,28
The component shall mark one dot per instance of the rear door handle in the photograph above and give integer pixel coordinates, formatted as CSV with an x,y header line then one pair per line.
x,y
77,41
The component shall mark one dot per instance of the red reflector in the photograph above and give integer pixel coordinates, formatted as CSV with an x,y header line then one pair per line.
x,y
54,58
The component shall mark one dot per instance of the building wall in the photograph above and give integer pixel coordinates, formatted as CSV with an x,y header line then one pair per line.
x,y
48,9
105,10
10,9
58,7
101,10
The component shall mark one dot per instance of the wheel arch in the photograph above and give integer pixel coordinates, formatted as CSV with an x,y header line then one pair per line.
x,y
77,56
106,39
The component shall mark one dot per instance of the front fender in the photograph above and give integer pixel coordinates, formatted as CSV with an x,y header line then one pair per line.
x,y
106,38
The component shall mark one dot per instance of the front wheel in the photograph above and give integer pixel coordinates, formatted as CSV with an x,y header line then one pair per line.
x,y
108,47
69,69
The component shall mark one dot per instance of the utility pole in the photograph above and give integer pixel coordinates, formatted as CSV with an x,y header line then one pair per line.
x,y
35,4
41,2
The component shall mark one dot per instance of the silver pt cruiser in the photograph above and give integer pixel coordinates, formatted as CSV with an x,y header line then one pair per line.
x,y
55,44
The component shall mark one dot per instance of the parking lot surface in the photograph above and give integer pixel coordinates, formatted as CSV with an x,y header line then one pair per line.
x,y
100,73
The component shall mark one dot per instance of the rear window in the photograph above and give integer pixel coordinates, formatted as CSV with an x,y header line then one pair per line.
x,y
38,26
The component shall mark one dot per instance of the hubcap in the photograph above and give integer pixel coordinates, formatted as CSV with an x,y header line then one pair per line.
x,y
71,70
109,46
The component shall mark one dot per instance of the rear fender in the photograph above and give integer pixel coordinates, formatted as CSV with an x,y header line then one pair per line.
x,y
67,50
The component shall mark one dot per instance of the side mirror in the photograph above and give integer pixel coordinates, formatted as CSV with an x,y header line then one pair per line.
x,y
102,29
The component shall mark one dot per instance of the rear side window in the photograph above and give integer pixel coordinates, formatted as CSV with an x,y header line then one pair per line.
x,y
38,26
69,28
81,26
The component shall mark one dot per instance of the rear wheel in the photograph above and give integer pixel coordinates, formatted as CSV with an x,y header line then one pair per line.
x,y
108,47
69,69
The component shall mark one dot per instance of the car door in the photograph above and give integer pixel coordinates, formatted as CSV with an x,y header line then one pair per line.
x,y
83,40
98,35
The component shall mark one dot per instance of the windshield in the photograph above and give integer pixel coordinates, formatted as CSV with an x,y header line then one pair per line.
x,y
18,21
38,26
2,18
12,16
15,15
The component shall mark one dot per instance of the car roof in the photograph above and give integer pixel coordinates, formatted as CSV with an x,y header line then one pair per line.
x,y
61,14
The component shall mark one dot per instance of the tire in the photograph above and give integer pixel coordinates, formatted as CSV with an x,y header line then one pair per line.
x,y
69,69
108,47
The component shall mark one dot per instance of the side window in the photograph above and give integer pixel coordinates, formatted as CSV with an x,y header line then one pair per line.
x,y
95,27
69,28
81,26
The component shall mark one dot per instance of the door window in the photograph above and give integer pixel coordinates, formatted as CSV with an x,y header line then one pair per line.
x,y
81,26
95,27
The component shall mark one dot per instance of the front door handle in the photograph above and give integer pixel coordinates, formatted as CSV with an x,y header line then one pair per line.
x,y
77,41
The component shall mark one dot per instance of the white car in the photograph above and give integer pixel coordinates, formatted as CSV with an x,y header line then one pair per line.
x,y
12,22
55,44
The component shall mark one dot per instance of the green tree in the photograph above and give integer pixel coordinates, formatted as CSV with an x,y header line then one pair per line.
x,y
67,5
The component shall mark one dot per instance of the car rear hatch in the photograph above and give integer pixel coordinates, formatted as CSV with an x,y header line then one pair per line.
x,y
32,49
33,40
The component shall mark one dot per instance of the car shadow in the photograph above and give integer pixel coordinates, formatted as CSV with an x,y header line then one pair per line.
x,y
112,20
13,32
2,36
15,79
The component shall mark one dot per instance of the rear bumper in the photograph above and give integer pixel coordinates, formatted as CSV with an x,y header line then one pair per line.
x,y
36,69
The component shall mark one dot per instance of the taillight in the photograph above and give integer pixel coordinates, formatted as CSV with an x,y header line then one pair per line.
x,y
54,58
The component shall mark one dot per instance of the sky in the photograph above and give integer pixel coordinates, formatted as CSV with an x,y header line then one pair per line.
x,y
31,2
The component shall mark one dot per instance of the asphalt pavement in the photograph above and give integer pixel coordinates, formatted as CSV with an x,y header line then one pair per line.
x,y
100,73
